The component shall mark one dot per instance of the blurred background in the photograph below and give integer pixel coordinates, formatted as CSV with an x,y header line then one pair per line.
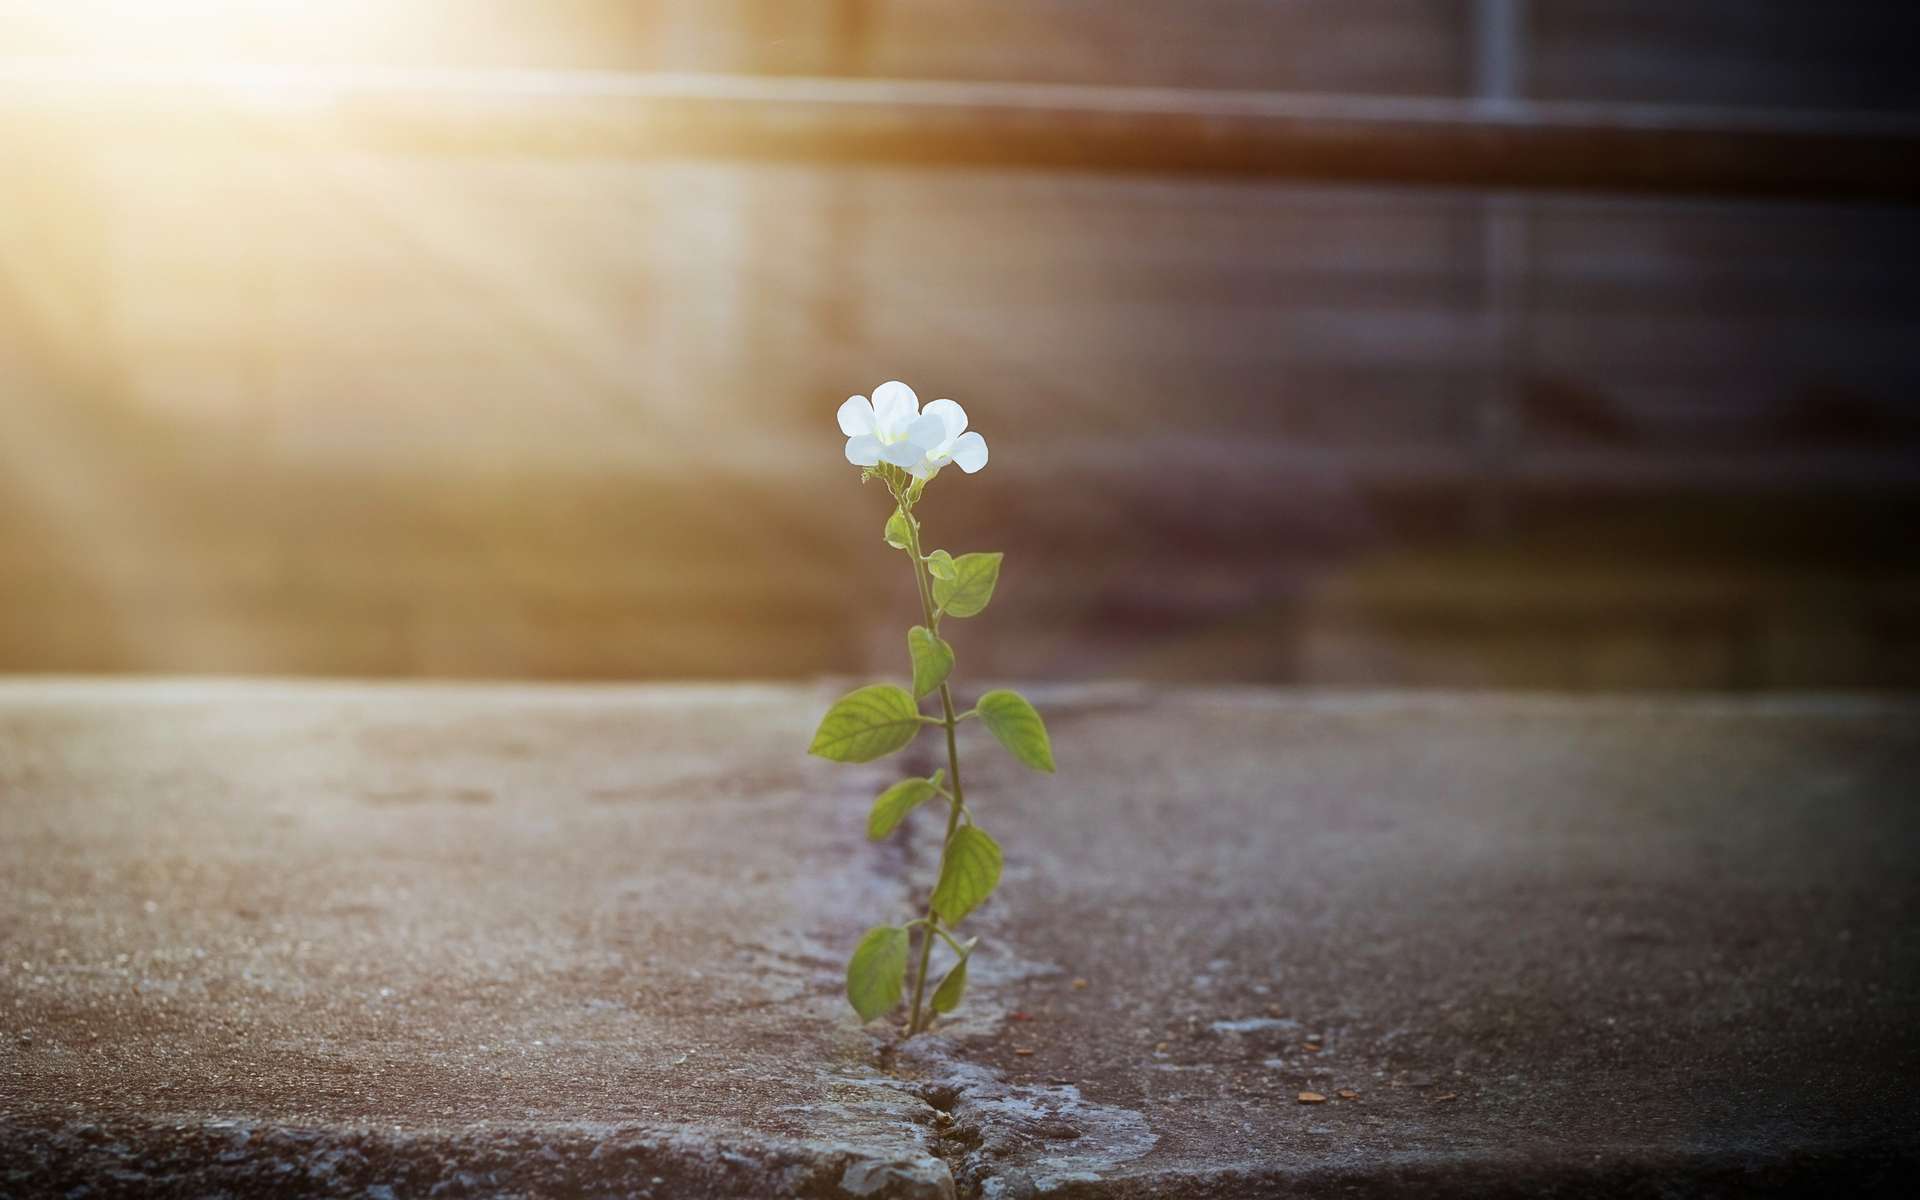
x,y
1558,344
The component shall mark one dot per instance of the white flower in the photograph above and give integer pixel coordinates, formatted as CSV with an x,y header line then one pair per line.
x,y
894,429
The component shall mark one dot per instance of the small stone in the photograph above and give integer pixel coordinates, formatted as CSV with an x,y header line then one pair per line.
x,y
1312,1098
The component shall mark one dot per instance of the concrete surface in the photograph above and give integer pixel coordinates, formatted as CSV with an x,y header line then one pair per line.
x,y
381,941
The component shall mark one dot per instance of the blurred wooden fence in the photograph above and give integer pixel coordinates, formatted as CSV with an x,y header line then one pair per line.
x,y
372,372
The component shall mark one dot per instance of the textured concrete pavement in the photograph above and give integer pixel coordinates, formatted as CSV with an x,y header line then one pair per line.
x,y
391,941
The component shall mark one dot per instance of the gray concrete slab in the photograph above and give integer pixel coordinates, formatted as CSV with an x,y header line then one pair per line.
x,y
390,941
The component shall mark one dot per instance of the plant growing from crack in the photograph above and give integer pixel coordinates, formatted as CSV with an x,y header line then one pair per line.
x,y
903,446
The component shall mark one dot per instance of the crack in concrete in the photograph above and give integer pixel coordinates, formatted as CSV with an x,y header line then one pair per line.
x,y
981,1138
939,1127
1003,1141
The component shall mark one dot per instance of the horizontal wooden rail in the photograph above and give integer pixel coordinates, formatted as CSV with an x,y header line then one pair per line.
x,y
1348,139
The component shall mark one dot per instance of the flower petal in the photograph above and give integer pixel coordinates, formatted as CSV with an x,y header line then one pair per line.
x,y
927,432
951,415
903,454
970,451
864,450
856,416
894,408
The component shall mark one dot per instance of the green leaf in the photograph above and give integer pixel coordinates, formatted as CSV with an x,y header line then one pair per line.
x,y
932,659
968,874
892,806
940,565
865,724
971,587
1018,727
898,535
877,972
946,997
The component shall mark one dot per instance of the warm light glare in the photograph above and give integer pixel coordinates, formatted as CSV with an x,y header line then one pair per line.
x,y
193,31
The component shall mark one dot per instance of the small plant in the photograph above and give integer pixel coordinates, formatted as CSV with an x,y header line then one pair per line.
x,y
897,442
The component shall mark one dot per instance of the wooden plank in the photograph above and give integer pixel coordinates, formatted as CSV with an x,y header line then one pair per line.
x,y
1379,139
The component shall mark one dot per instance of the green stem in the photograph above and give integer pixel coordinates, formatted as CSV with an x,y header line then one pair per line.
x,y
922,584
